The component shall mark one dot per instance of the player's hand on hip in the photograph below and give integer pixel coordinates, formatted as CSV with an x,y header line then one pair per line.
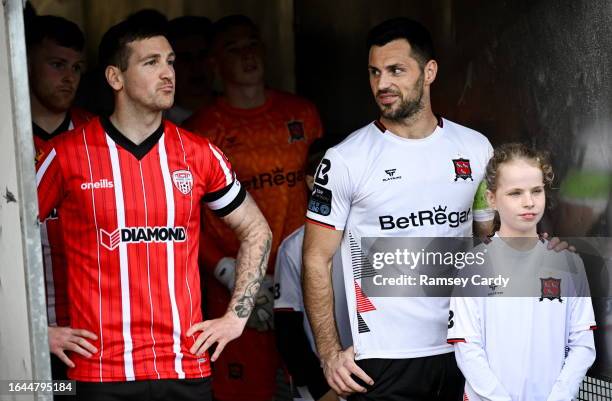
x,y
338,369
63,339
220,331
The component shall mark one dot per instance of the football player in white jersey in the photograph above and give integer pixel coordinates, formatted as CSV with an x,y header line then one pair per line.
x,y
410,173
529,348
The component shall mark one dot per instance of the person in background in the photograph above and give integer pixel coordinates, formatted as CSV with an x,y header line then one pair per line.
x,y
190,39
55,64
265,133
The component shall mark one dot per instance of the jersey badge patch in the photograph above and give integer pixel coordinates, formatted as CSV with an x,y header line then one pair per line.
x,y
183,181
296,131
462,169
320,200
551,289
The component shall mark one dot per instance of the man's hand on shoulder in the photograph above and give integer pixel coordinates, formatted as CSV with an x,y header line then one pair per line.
x,y
557,245
338,368
63,339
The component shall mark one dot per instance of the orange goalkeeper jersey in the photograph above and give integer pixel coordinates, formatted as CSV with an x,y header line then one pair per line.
x,y
267,147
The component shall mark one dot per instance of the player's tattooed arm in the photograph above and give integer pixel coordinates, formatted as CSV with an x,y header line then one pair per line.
x,y
248,283
253,232
320,244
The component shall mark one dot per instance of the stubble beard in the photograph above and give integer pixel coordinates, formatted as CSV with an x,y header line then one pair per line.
x,y
408,107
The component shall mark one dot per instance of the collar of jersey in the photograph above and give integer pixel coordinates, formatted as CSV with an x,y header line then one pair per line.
x,y
518,252
139,151
42,134
388,134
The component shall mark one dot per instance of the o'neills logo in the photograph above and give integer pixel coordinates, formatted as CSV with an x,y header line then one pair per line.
x,y
103,183
110,240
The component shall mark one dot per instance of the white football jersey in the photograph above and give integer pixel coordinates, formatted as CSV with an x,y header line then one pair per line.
x,y
514,348
377,184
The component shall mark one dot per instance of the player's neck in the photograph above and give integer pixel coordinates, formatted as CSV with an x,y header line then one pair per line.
x,y
418,126
245,97
136,125
46,119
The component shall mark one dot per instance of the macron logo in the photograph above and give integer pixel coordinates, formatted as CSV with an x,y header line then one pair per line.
x,y
103,183
111,240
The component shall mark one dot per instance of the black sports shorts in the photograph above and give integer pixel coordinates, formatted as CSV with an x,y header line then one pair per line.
x,y
431,378
146,390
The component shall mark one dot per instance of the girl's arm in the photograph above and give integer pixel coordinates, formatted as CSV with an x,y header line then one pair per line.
x,y
580,357
464,332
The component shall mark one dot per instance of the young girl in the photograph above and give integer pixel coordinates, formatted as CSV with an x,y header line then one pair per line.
x,y
528,348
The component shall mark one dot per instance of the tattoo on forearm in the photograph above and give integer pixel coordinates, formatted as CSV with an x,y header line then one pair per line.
x,y
246,301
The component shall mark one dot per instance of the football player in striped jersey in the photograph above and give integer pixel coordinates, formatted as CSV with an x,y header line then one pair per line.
x,y
128,189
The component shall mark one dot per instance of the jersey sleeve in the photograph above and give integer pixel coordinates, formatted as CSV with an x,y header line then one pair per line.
x,y
581,307
49,183
580,341
464,320
464,328
224,193
330,199
287,279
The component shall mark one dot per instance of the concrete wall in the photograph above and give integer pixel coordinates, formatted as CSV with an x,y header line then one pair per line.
x,y
23,320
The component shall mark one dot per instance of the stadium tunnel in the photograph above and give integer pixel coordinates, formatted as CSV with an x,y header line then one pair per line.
x,y
529,70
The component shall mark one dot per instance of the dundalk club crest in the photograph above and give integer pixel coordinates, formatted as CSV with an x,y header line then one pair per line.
x,y
296,131
183,181
551,289
462,169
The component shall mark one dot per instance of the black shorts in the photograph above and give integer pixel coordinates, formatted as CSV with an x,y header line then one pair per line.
x,y
146,390
431,378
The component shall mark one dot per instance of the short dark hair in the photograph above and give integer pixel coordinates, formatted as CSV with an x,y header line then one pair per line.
x,y
61,31
114,49
228,22
404,28
189,25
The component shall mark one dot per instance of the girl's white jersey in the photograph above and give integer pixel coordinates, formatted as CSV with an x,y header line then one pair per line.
x,y
526,348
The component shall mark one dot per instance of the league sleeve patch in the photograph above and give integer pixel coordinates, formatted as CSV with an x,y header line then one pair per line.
x,y
320,201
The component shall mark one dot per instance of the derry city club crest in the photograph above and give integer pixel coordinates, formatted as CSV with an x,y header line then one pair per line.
x,y
183,181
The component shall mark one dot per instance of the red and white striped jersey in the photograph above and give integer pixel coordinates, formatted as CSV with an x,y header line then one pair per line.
x,y
53,254
130,222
